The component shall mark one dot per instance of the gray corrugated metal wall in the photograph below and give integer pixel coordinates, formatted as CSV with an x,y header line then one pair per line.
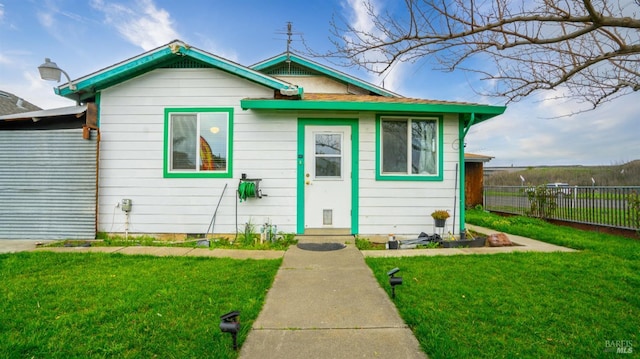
x,y
47,185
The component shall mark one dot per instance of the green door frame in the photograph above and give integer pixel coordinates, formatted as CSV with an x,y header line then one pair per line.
x,y
355,170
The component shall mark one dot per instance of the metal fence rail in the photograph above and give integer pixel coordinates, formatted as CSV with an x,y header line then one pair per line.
x,y
603,206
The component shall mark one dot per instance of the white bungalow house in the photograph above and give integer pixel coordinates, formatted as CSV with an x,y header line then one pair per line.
x,y
319,149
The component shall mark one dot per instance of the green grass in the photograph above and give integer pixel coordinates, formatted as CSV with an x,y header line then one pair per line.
x,y
95,305
529,305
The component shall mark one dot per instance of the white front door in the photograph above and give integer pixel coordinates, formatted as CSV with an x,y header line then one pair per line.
x,y
327,177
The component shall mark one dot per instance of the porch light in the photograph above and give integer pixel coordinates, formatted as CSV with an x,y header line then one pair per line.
x,y
51,72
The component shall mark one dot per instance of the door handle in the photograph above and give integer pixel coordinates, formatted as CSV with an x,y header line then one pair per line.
x,y
307,182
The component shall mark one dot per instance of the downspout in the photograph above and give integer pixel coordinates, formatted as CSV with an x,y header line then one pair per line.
x,y
462,133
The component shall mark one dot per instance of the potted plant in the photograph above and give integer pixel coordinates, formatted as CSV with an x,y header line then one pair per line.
x,y
440,217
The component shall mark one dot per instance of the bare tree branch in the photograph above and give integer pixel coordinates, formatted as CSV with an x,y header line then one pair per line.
x,y
590,49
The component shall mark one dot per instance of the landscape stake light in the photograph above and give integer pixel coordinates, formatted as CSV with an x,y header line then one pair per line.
x,y
394,281
229,323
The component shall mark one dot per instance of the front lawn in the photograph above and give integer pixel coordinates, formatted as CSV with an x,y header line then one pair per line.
x,y
94,305
530,305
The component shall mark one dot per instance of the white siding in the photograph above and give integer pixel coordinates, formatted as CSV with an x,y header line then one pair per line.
x,y
404,207
322,84
131,155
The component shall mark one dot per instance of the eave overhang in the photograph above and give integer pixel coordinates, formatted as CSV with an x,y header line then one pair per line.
x,y
482,112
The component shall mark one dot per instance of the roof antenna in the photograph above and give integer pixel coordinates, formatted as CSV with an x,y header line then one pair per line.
x,y
289,34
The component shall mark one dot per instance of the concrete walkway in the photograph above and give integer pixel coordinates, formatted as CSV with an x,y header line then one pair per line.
x,y
327,304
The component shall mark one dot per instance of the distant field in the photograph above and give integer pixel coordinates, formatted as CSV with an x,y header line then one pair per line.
x,y
627,174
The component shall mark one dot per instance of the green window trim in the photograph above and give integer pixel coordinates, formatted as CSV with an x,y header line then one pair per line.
x,y
168,173
409,177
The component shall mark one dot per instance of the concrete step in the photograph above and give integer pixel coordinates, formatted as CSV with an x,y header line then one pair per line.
x,y
327,231
326,239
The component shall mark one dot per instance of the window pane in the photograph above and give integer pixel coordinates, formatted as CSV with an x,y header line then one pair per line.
x,y
328,154
328,166
423,147
213,141
183,142
394,146
328,144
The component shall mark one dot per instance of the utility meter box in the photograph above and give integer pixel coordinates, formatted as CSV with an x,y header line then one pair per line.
x,y
126,205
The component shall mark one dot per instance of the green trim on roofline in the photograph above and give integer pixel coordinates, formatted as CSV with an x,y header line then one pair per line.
x,y
156,58
323,70
482,112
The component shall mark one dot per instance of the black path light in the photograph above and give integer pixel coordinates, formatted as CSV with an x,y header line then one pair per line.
x,y
394,281
230,323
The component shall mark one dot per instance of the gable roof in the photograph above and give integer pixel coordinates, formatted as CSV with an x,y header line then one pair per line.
x,y
273,65
168,55
178,54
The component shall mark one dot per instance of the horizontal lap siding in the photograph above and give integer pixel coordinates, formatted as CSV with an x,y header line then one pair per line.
x,y
403,207
132,125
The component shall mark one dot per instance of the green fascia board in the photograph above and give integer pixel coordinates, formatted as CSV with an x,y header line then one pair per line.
x,y
151,60
482,112
323,70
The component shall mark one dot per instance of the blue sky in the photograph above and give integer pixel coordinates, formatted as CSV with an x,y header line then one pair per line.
x,y
83,36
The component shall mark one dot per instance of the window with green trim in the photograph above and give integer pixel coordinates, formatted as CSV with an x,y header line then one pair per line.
x,y
408,147
198,142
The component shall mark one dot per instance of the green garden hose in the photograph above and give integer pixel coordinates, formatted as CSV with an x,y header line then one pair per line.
x,y
246,189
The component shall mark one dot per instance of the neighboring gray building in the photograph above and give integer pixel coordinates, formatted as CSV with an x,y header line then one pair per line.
x,y
11,104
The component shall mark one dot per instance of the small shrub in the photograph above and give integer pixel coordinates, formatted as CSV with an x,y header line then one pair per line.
x,y
542,201
364,244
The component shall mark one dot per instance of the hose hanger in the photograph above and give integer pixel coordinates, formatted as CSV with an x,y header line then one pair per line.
x,y
249,188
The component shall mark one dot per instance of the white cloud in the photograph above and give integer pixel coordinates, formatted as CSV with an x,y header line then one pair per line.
x,y
1,12
360,19
4,60
36,91
525,136
141,22
209,44
46,19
